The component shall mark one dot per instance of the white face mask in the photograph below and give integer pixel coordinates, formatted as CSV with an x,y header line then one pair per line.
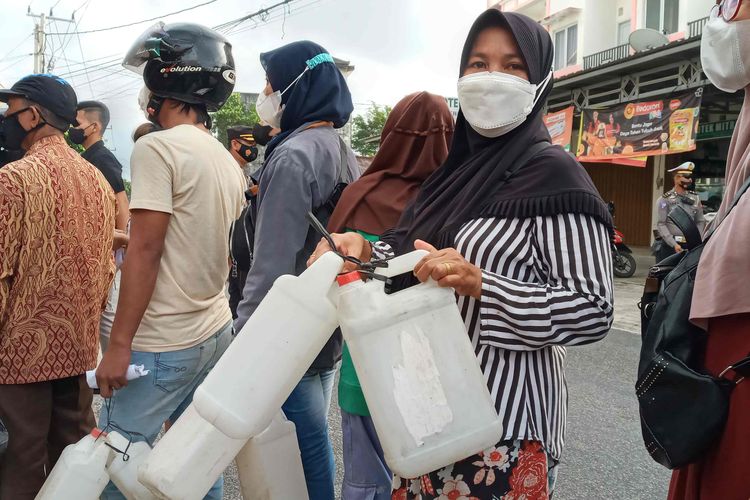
x,y
496,103
724,48
143,97
269,106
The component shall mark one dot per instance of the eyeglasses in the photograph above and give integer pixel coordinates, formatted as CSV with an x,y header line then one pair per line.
x,y
728,9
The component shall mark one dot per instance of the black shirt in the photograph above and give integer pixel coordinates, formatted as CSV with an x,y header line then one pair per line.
x,y
103,159
241,243
9,156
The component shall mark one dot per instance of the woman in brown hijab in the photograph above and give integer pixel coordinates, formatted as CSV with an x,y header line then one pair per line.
x,y
721,302
414,142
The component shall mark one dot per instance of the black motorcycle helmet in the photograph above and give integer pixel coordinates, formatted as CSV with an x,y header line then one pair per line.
x,y
186,62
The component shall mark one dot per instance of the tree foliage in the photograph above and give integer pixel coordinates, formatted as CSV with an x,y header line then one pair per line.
x,y
366,129
233,113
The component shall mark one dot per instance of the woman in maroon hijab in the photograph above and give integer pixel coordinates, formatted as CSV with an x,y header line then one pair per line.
x,y
414,142
721,302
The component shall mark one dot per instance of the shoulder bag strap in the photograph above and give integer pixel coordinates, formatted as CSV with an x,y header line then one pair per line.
x,y
687,225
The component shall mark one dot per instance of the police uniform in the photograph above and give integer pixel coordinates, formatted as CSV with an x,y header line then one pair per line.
x,y
669,234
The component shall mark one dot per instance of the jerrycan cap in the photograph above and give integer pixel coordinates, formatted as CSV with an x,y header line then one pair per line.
x,y
345,279
96,432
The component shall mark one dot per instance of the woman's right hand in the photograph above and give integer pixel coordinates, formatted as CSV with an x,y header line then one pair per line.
x,y
351,244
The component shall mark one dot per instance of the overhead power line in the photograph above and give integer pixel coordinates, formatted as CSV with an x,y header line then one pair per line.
x,y
225,27
136,22
16,47
301,7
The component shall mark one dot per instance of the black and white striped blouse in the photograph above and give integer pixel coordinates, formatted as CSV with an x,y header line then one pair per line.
x,y
547,284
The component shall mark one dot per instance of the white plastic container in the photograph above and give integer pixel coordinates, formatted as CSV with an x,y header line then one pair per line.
x,y
80,471
419,374
188,459
248,385
271,353
270,465
124,473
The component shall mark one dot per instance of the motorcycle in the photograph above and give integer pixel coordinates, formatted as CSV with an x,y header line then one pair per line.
x,y
623,262
622,256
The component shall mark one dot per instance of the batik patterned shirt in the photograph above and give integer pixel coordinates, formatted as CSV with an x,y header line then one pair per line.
x,y
57,216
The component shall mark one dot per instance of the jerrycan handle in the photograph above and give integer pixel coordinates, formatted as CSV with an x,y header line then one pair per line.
x,y
403,263
322,274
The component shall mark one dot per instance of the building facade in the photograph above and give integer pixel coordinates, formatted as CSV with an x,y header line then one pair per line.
x,y
596,68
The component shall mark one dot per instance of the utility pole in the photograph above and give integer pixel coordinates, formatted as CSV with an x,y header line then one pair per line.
x,y
40,37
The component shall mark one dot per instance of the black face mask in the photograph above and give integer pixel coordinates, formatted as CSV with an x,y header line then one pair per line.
x,y
77,135
249,153
262,134
12,132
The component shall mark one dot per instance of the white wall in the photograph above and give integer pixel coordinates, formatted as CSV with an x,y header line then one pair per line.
x,y
692,10
599,26
558,5
626,6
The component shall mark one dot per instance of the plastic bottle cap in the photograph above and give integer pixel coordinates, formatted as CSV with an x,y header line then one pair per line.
x,y
96,432
345,279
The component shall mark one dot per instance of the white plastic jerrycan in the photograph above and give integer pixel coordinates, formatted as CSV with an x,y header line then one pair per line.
x,y
270,465
123,467
189,458
80,472
272,351
419,374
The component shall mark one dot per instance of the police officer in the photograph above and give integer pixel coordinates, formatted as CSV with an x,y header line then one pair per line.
x,y
242,146
671,240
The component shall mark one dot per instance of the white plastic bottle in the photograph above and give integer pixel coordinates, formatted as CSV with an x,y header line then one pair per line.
x,y
270,465
419,374
248,385
124,473
80,472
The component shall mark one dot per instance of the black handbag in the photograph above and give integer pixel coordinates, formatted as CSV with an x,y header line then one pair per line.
x,y
683,409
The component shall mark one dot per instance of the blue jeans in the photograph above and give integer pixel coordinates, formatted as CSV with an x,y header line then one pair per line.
x,y
145,403
307,406
366,475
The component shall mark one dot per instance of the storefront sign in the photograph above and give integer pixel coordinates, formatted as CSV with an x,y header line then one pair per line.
x,y
716,130
665,126
452,103
560,126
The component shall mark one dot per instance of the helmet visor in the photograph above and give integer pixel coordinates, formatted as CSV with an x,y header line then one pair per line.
x,y
148,46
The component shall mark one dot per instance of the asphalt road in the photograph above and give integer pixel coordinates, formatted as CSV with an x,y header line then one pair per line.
x,y
604,456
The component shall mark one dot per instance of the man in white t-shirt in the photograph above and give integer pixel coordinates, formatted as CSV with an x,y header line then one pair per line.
x,y
173,316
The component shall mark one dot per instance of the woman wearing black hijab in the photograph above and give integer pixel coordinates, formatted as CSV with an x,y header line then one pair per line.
x,y
307,98
524,241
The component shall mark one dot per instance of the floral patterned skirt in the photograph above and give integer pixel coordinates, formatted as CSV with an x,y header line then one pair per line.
x,y
512,470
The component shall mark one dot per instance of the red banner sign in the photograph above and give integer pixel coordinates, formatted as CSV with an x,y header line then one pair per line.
x,y
560,126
